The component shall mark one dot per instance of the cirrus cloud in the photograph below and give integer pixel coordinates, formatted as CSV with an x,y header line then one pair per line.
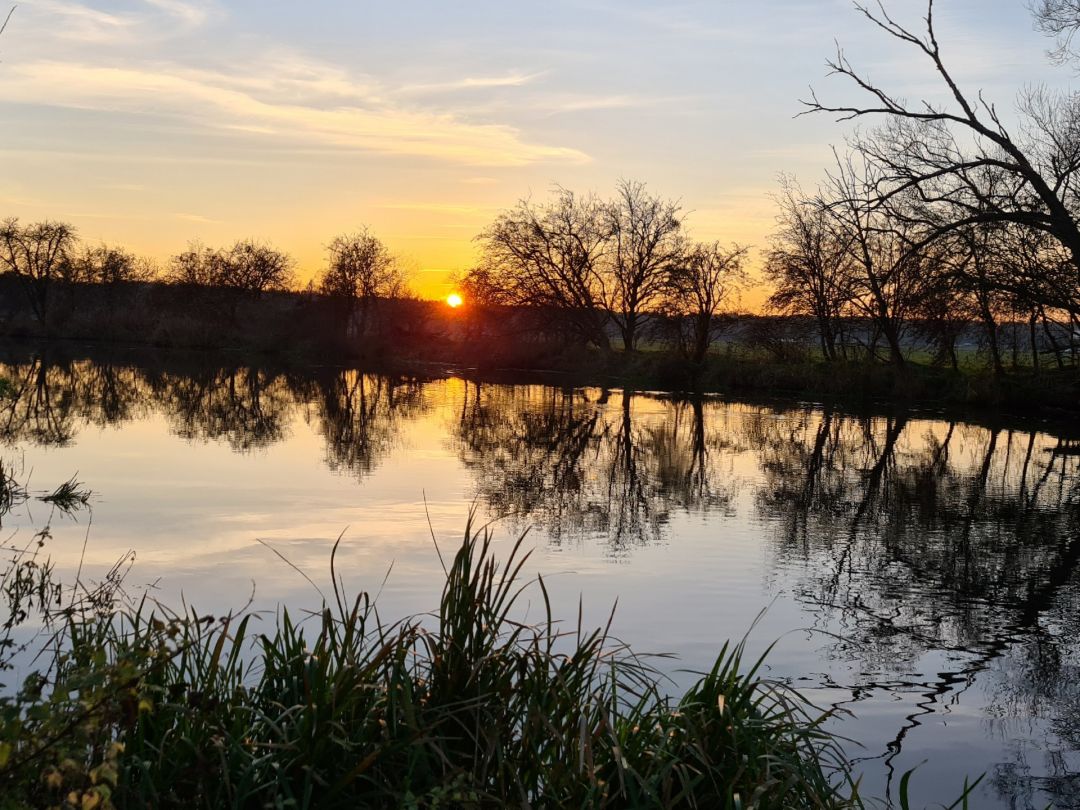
x,y
333,114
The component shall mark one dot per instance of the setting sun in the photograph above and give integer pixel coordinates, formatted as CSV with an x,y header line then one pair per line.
x,y
454,300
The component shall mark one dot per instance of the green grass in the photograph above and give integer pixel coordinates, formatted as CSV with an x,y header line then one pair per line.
x,y
468,707
738,370
69,497
138,706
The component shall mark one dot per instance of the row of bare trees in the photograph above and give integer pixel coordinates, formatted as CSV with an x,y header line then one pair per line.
x,y
598,267
941,214
48,261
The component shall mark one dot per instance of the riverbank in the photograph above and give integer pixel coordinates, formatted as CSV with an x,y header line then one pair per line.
x,y
423,337
971,393
1054,393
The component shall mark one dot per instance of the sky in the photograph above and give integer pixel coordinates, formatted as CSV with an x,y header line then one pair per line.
x,y
152,123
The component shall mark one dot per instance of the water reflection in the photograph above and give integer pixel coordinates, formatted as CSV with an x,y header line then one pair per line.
x,y
40,408
361,416
584,463
905,536
247,408
917,537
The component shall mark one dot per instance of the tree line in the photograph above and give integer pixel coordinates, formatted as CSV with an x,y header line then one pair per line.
x,y
591,266
50,263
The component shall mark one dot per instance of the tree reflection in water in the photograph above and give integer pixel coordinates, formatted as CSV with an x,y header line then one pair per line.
x,y
361,415
246,407
904,534
958,538
586,464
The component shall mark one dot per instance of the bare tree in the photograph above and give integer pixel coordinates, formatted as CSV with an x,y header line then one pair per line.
x,y
361,271
960,161
248,266
106,264
198,266
98,273
701,287
887,275
255,268
1061,20
978,268
646,247
809,266
246,270
550,256
36,254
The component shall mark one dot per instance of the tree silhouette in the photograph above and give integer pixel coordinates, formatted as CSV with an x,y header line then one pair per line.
x,y
361,271
36,254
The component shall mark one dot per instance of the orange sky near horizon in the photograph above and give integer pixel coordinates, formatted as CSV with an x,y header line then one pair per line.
x,y
434,254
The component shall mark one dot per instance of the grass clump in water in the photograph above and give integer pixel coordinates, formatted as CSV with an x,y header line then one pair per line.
x,y
467,707
69,497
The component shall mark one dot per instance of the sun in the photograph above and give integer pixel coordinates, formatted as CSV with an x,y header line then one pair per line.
x,y
454,300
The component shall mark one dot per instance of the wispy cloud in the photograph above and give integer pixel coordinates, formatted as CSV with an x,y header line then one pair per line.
x,y
78,22
450,209
572,104
193,14
75,21
469,83
262,105
198,218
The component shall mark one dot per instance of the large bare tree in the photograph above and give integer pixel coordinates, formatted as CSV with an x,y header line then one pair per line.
x,y
257,268
809,266
361,271
550,255
646,247
958,161
887,275
701,287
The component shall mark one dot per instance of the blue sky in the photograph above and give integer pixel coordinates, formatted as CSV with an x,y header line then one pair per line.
x,y
153,122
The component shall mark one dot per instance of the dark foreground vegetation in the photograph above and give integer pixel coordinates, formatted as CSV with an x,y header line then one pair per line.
x,y
134,705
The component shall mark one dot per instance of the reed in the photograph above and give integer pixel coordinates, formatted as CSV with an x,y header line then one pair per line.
x,y
466,707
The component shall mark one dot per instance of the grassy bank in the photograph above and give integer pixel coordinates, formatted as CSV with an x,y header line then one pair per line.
x,y
141,707
745,371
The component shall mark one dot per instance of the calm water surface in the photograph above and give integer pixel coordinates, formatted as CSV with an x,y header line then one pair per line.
x,y
918,571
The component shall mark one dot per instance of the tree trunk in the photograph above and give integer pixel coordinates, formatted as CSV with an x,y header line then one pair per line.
x,y
991,337
629,332
1034,344
828,341
1053,342
892,336
702,333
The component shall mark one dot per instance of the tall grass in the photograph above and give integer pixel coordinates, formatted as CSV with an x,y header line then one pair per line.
x,y
468,707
